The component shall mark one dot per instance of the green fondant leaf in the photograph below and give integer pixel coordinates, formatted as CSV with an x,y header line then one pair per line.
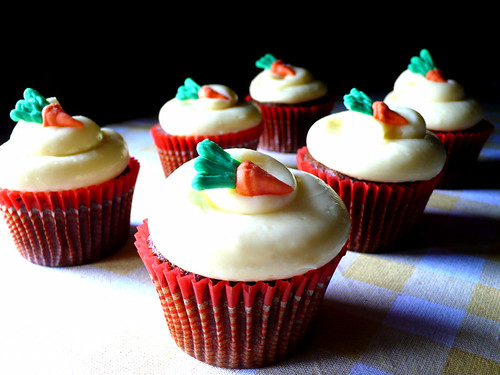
x,y
188,91
204,181
215,167
421,64
30,108
358,101
265,61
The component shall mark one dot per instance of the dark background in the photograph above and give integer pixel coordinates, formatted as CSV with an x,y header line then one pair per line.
x,y
123,64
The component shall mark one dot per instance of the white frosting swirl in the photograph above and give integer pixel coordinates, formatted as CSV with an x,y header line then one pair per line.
x,y
60,158
213,238
363,147
444,105
268,87
209,116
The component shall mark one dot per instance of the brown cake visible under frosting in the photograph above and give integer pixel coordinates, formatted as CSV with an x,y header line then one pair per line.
x,y
332,172
323,168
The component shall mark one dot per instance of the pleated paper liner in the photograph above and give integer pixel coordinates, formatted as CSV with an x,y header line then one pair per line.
x,y
381,213
286,125
235,324
463,149
71,227
175,150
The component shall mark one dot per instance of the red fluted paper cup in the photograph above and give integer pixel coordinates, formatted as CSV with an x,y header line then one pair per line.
x,y
175,150
463,148
286,125
71,227
235,324
380,213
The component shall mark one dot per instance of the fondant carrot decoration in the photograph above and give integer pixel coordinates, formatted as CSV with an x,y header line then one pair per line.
x,y
217,169
276,66
54,115
424,65
358,101
279,67
35,108
383,113
192,90
210,93
252,180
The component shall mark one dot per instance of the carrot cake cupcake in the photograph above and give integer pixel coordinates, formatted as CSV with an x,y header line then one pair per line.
x,y
382,162
241,250
66,185
456,118
203,112
291,100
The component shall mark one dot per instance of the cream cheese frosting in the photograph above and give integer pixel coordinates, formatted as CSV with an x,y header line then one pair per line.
x,y
220,234
363,147
444,105
52,158
300,87
209,116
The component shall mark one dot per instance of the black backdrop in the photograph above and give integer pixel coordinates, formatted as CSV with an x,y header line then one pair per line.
x,y
119,65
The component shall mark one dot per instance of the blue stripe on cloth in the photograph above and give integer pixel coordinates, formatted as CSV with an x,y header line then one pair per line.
x,y
362,369
431,320
461,266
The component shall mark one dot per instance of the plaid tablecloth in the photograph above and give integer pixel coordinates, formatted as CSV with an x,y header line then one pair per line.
x,y
430,307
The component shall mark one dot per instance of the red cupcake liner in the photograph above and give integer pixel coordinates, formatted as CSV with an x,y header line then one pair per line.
x,y
381,213
286,125
463,149
175,150
71,227
235,324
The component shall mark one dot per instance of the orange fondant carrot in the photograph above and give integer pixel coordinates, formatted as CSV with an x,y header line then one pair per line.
x,y
279,67
208,92
383,113
435,75
253,180
54,115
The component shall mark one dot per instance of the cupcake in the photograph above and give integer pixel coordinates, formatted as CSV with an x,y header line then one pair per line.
x,y
382,162
241,250
66,185
203,112
290,100
454,117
